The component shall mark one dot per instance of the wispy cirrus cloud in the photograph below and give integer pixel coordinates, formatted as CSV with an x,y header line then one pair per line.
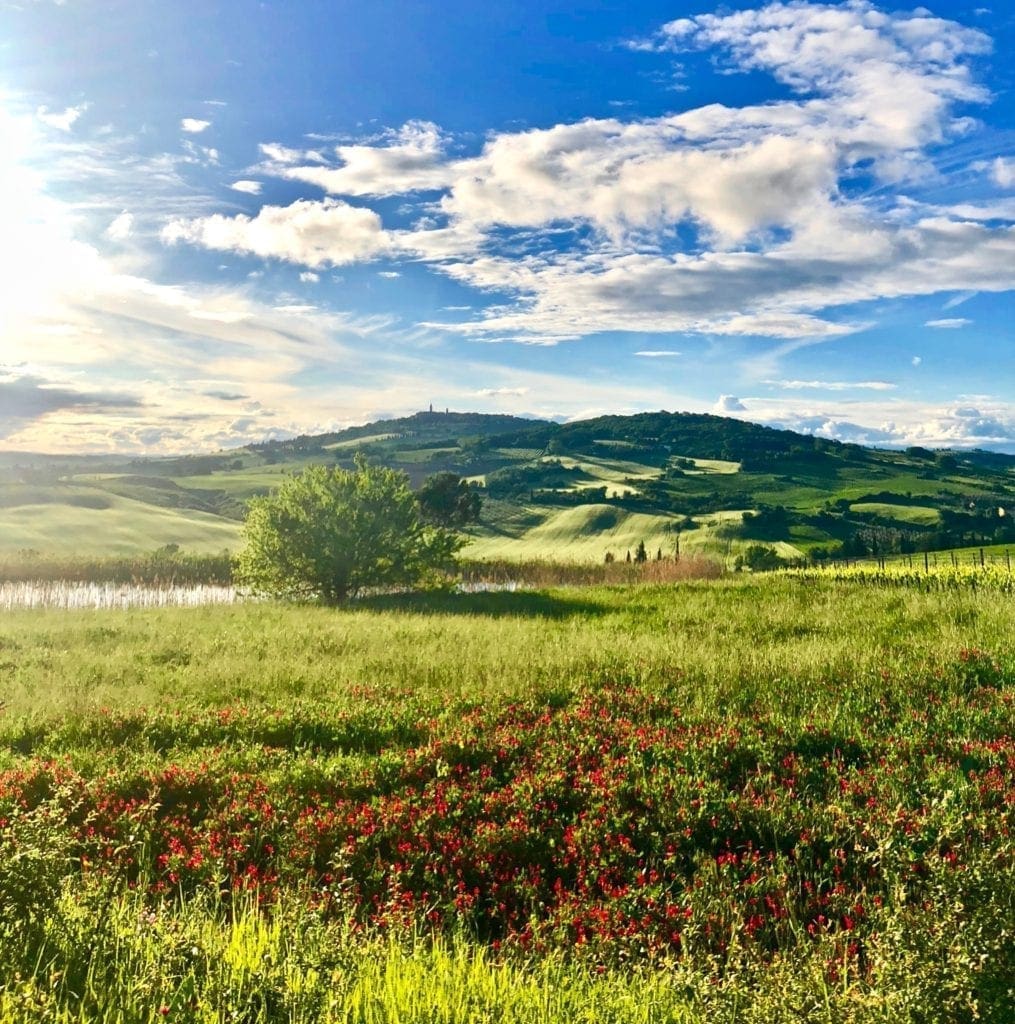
x,y
502,392
832,385
948,323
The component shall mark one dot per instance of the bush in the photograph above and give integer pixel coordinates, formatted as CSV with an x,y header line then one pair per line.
x,y
329,533
759,558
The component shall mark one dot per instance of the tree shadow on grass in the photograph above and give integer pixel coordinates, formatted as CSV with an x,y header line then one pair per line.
x,y
494,605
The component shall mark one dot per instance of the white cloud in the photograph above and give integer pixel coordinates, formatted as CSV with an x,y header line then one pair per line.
x,y
832,385
657,353
314,234
501,392
121,227
727,404
251,188
775,241
61,120
194,125
894,422
1003,172
411,160
309,277
281,155
958,300
949,323
916,360
390,274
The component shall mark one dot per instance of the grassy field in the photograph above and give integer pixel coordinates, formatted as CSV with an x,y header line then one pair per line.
x,y
83,521
584,533
755,800
918,514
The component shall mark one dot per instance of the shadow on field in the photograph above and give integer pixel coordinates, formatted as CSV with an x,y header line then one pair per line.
x,y
500,604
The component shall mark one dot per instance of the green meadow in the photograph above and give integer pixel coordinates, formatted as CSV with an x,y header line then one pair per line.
x,y
737,800
93,521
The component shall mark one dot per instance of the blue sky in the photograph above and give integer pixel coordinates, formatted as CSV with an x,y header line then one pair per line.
x,y
224,222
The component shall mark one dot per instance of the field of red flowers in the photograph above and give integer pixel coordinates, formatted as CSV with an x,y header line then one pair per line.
x,y
611,826
615,825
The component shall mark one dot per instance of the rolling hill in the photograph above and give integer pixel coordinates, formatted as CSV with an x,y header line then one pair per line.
x,y
575,491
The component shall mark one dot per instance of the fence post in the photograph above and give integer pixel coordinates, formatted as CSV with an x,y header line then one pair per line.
x,y
981,558
926,565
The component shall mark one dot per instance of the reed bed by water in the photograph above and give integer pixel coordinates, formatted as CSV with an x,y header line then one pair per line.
x,y
74,595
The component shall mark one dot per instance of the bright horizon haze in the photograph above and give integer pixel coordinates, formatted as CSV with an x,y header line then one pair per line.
x,y
236,221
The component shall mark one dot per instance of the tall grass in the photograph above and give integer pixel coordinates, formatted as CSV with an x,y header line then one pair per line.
x,y
538,573
79,596
145,965
163,567
197,806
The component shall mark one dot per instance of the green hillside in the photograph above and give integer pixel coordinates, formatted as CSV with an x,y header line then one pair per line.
x,y
88,522
572,491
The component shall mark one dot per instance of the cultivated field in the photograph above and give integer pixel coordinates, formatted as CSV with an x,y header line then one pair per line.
x,y
762,800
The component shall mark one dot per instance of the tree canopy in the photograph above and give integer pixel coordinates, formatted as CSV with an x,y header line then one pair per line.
x,y
445,499
329,533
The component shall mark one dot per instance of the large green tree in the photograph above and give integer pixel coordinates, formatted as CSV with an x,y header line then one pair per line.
x,y
329,533
445,499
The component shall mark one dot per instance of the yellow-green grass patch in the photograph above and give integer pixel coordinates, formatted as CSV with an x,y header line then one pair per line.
x,y
122,527
920,515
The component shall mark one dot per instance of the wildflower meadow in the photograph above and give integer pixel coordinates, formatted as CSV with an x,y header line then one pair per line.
x,y
659,803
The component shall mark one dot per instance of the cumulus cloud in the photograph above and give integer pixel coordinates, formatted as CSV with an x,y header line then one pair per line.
x,y
62,120
1003,172
313,234
410,160
980,421
121,227
657,353
948,323
194,125
716,220
727,404
309,277
251,188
